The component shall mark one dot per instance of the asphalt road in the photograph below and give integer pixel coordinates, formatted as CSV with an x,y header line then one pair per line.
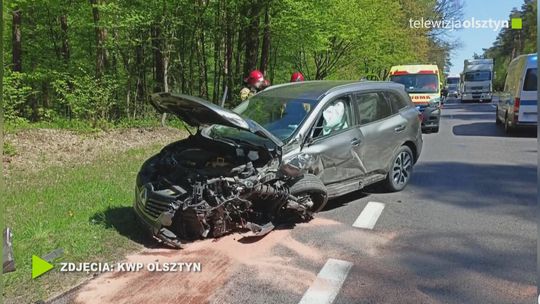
x,y
463,231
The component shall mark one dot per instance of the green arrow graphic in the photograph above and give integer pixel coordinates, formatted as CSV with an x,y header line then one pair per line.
x,y
39,266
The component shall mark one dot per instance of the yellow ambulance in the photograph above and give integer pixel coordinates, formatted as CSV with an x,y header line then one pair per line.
x,y
423,83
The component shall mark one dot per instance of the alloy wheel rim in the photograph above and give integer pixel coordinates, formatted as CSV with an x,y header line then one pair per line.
x,y
401,170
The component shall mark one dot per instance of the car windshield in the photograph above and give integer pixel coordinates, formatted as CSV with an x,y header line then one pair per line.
x,y
418,83
452,81
280,116
478,76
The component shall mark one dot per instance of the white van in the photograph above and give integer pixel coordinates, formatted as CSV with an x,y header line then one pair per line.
x,y
517,105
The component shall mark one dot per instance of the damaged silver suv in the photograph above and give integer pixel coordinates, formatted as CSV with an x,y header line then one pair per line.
x,y
276,158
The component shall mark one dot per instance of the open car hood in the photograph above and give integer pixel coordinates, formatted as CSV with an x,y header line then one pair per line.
x,y
198,112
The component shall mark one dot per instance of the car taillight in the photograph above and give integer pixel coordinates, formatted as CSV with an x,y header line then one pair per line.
x,y
516,106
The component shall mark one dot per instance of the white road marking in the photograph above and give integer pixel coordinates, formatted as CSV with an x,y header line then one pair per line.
x,y
369,216
493,106
328,283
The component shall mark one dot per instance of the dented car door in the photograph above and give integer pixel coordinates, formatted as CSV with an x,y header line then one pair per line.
x,y
333,141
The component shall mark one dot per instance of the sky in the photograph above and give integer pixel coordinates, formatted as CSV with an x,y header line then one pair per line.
x,y
474,40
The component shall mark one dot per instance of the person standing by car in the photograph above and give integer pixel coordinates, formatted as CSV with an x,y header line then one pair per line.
x,y
266,83
297,76
254,83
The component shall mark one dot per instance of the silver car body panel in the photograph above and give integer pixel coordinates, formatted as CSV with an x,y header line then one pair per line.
x,y
344,167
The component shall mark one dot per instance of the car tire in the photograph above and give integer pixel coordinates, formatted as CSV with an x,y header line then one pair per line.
x,y
314,187
399,176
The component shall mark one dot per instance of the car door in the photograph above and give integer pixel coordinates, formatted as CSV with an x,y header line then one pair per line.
x,y
404,114
382,129
528,96
332,147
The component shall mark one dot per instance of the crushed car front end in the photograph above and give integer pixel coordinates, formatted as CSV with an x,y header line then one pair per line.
x,y
208,186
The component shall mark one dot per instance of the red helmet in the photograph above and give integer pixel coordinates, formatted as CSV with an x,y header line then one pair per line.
x,y
297,76
254,77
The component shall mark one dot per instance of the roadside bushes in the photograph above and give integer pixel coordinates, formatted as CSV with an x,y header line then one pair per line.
x,y
87,98
51,96
15,93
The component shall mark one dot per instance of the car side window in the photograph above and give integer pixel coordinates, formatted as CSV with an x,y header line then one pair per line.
x,y
372,107
336,116
529,84
396,101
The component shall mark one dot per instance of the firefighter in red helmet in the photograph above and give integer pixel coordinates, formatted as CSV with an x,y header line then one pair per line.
x,y
266,84
254,83
297,76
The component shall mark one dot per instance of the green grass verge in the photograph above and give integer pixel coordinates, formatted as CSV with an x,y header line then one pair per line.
x,y
85,126
83,209
9,149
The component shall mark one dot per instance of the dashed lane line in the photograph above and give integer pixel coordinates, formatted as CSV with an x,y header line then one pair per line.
x,y
369,216
326,286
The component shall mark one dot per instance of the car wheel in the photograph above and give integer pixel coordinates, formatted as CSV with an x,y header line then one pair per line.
x,y
401,170
311,185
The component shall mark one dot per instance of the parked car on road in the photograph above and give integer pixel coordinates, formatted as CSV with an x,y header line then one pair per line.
x,y
517,105
275,158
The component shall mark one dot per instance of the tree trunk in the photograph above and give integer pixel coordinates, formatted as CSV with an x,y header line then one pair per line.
x,y
54,36
240,42
252,38
191,63
265,49
65,41
16,43
45,94
166,72
101,36
217,52
273,61
157,46
238,57
203,76
227,69
165,80
181,63
201,53
139,63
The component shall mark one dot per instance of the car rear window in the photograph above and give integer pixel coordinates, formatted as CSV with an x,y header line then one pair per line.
x,y
530,83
